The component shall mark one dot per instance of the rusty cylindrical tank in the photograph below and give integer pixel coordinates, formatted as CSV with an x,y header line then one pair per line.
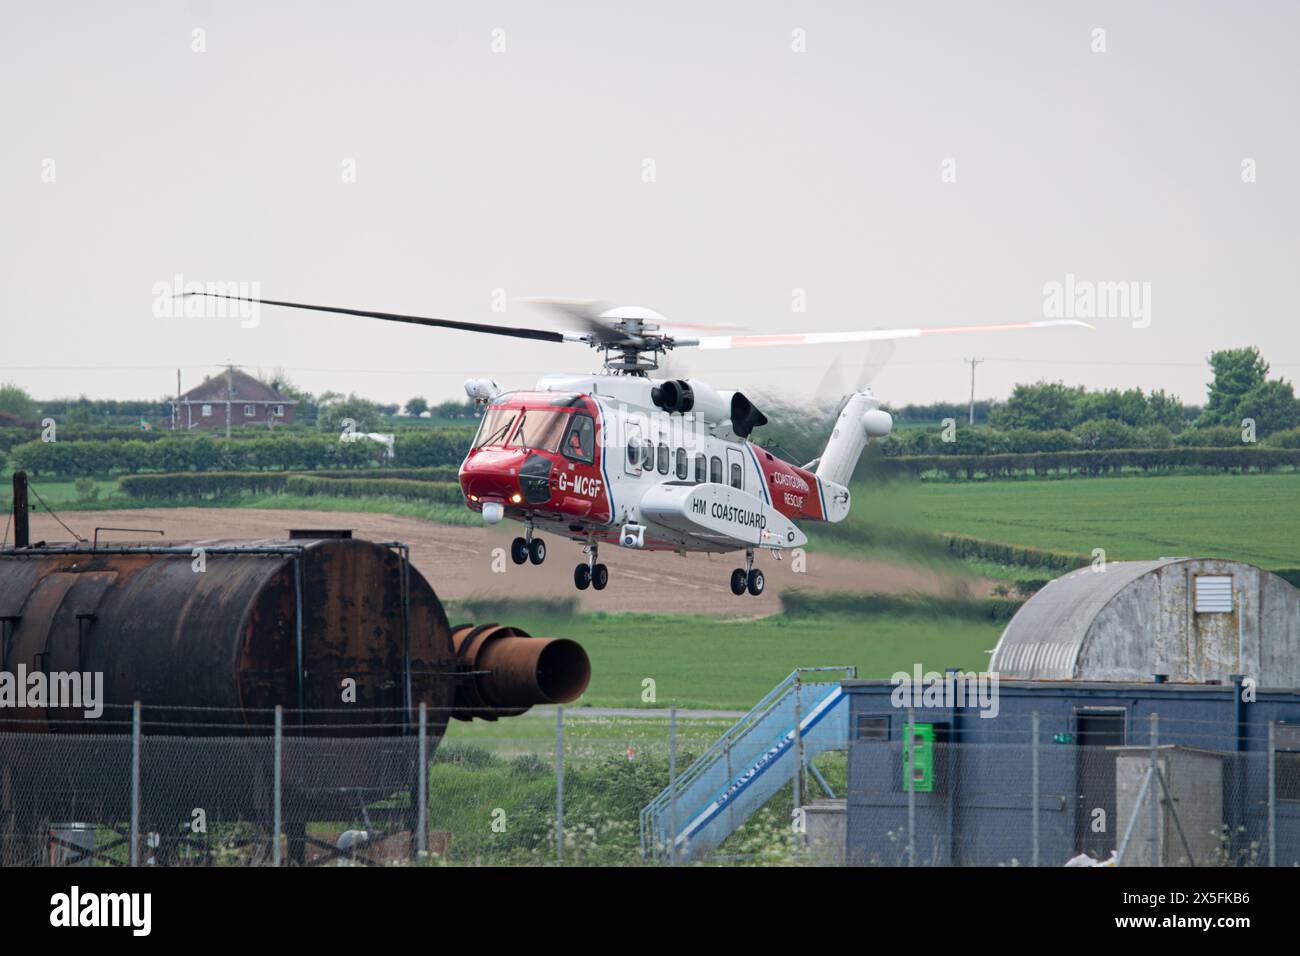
x,y
211,635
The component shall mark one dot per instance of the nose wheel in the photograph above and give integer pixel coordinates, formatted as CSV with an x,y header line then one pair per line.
x,y
748,578
528,549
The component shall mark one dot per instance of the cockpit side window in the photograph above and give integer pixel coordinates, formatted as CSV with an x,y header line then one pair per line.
x,y
580,441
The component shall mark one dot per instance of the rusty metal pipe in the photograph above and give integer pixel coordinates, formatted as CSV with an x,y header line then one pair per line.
x,y
509,671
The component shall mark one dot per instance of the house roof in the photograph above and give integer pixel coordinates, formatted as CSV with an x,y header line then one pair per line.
x,y
242,388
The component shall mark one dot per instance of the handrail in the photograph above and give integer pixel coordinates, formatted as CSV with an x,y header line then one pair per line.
x,y
729,738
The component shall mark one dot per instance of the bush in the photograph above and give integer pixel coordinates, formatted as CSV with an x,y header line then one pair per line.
x,y
215,485
1287,439
1096,462
87,489
443,492
266,452
796,601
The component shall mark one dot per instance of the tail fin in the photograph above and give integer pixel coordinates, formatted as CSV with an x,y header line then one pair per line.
x,y
860,419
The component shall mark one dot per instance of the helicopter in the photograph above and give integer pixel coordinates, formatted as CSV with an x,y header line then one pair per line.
x,y
622,458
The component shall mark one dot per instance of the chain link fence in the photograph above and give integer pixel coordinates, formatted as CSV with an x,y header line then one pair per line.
x,y
1035,800
567,787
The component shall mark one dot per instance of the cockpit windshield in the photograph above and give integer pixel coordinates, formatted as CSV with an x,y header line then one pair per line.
x,y
540,430
496,426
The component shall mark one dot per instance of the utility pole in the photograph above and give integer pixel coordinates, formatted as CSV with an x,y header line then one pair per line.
x,y
972,362
230,393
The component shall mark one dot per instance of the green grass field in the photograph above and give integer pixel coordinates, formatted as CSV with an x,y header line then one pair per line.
x,y
1245,517
701,662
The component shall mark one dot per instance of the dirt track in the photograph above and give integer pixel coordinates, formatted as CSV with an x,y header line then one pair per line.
x,y
457,560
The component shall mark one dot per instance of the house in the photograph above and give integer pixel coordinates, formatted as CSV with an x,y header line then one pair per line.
x,y
228,399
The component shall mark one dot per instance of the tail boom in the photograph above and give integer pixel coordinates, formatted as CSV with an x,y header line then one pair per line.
x,y
860,420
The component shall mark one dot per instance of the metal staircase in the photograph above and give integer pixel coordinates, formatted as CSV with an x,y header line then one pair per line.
x,y
746,766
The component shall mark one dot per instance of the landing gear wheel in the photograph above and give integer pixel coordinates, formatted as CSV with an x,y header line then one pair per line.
x,y
756,582
738,581
537,551
599,577
582,577
519,551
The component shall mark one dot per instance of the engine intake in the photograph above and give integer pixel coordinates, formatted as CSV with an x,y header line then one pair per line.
x,y
675,395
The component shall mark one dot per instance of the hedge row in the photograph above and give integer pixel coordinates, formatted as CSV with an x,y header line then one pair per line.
x,y
1088,462
439,473
220,485
998,552
299,452
203,485
796,601
443,492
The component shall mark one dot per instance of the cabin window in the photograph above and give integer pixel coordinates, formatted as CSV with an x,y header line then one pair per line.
x,y
647,455
633,463
580,442
737,476
701,469
682,464
663,459
715,470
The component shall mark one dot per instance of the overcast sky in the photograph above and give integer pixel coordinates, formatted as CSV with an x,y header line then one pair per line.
x,y
782,161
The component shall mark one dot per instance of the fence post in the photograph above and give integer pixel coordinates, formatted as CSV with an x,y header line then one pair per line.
x,y
422,820
1034,778
911,787
1272,794
1154,794
798,745
559,784
276,786
672,785
135,784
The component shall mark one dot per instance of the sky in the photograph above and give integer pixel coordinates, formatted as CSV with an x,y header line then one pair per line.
x,y
771,165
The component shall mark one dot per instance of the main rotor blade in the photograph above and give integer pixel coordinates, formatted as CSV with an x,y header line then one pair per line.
x,y
868,335
589,317
541,335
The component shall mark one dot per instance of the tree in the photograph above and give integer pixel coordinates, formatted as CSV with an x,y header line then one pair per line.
x,y
363,413
308,404
1167,410
1104,433
1236,373
1272,406
417,406
15,401
453,410
1042,406
1129,406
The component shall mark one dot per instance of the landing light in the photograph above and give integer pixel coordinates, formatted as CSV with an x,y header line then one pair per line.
x,y
516,497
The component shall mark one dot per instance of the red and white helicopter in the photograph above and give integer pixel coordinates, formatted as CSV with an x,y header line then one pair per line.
x,y
626,459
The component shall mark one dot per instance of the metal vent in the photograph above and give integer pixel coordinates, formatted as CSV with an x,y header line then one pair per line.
x,y
1214,594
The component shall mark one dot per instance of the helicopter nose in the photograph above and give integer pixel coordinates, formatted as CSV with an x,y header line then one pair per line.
x,y
509,477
